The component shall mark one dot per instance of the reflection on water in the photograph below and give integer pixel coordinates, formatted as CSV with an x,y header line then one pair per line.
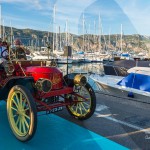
x,y
82,68
85,68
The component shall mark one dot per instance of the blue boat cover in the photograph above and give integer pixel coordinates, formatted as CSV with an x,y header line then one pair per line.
x,y
136,81
81,52
125,55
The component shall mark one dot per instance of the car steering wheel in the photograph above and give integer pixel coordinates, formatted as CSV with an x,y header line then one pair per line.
x,y
5,54
8,65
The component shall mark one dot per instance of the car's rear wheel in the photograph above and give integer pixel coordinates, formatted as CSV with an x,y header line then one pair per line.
x,y
83,102
21,112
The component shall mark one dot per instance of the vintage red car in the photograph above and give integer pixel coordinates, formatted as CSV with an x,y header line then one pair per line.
x,y
29,87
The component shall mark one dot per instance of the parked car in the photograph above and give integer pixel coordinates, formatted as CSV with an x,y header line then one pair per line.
x,y
29,87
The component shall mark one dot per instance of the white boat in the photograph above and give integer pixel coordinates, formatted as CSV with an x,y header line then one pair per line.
x,y
136,85
40,57
84,60
126,56
58,52
75,60
63,60
29,57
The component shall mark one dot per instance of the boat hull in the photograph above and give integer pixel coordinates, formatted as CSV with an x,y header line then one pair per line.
x,y
120,91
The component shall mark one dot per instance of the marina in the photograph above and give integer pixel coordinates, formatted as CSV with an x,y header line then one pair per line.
x,y
74,75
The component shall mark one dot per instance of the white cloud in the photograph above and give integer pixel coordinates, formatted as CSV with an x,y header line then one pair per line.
x,y
65,9
138,14
31,3
71,10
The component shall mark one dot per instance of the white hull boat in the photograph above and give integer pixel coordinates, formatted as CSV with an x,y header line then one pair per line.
x,y
64,61
135,86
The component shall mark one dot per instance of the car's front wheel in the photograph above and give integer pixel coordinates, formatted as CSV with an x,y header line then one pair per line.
x,y
83,102
21,112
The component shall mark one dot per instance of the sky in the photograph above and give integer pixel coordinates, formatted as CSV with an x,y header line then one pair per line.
x,y
79,16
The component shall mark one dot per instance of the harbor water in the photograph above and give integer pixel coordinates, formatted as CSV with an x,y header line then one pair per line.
x,y
84,68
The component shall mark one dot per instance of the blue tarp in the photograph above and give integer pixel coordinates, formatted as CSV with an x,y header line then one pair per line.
x,y
125,55
80,52
136,81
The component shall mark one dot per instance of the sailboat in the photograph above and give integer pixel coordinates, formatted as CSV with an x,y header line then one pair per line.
x,y
85,58
58,51
101,54
65,59
123,55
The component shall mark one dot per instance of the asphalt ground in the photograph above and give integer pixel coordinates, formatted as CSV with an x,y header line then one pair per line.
x,y
54,133
123,121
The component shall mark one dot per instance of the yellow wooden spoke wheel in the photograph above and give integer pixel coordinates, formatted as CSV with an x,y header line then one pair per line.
x,y
85,102
21,111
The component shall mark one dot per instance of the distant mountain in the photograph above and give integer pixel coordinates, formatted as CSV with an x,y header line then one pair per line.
x,y
132,43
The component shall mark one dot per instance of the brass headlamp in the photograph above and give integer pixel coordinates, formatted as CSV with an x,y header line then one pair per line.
x,y
80,79
43,85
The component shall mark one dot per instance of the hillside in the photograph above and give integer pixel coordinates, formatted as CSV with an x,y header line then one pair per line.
x,y
133,43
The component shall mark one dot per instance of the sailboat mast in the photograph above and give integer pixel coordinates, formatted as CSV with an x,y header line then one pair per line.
x,y
72,39
99,20
83,30
56,39
67,32
47,38
54,15
89,39
59,39
3,31
94,30
109,37
69,35
121,39
11,34
116,43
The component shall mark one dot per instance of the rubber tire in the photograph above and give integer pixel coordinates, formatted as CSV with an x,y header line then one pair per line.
x,y
93,104
32,105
